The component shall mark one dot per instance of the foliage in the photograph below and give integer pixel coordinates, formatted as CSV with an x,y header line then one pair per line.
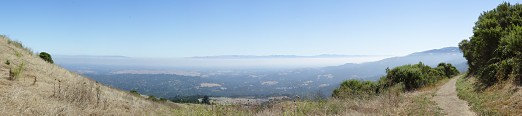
x,y
16,72
356,89
206,100
410,76
448,69
7,62
46,56
186,99
134,92
495,49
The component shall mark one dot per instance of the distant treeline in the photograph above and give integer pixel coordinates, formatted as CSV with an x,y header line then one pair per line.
x,y
187,99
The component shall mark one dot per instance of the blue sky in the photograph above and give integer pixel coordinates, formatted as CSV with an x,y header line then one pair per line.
x,y
184,28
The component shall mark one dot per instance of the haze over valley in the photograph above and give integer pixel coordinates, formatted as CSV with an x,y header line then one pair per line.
x,y
245,76
260,58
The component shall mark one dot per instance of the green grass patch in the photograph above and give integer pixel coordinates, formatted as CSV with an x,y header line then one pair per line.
x,y
15,73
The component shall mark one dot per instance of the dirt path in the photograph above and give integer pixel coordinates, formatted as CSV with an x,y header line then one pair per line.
x,y
447,99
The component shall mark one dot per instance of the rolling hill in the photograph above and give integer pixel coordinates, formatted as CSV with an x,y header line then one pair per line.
x,y
32,86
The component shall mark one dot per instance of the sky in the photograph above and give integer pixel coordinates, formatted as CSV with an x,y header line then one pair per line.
x,y
185,28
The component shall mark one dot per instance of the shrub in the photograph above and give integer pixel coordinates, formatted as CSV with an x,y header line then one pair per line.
x,y
7,62
46,56
134,92
413,76
206,100
409,77
448,69
356,89
15,73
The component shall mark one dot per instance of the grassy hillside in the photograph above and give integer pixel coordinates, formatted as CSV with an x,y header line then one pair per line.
x,y
494,55
502,99
32,86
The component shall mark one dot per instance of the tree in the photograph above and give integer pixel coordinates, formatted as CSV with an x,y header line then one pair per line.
x,y
448,69
494,50
46,56
206,100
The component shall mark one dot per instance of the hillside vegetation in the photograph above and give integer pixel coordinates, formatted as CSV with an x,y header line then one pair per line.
x,y
410,77
494,55
30,85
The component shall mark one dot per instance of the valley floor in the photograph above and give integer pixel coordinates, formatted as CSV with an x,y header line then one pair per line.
x,y
423,101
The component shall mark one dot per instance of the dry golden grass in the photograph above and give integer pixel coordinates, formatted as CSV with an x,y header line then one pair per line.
x,y
42,88
393,102
503,98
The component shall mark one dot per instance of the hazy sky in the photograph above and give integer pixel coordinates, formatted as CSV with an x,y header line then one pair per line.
x,y
154,28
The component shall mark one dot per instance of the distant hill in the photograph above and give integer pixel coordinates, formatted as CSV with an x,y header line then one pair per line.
x,y
375,69
42,88
277,56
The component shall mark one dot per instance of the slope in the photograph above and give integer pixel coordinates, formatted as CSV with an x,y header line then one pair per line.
x,y
41,88
494,54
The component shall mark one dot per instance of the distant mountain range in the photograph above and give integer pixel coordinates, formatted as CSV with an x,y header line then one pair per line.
x,y
258,82
279,56
375,69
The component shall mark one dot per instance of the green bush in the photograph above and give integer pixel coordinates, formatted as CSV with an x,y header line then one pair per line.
x,y
206,100
409,76
448,69
46,56
412,76
356,89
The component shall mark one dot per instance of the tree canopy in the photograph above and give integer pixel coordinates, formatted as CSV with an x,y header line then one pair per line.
x,y
494,50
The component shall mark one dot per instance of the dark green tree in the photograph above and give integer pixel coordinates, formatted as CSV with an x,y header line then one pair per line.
x,y
206,100
46,56
494,50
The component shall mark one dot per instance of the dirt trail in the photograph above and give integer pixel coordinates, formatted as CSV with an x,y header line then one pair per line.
x,y
447,99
